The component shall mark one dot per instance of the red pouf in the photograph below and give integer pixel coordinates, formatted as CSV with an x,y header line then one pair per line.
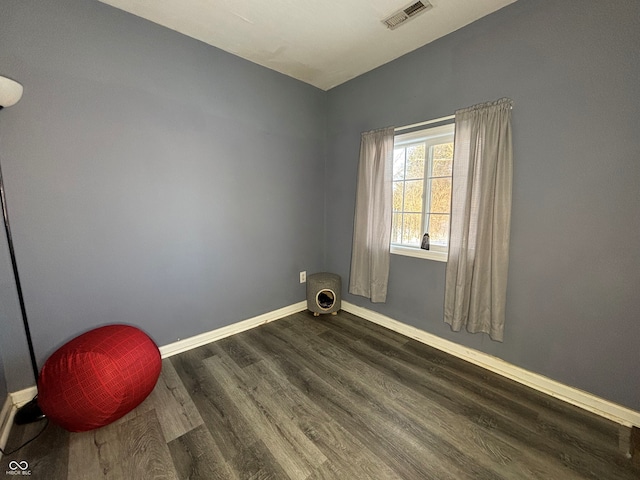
x,y
98,377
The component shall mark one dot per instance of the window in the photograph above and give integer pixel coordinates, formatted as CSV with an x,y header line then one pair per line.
x,y
422,167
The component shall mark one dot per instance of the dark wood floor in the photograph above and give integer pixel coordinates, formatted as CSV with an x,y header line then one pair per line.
x,y
334,397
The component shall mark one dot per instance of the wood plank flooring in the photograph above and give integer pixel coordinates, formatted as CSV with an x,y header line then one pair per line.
x,y
334,397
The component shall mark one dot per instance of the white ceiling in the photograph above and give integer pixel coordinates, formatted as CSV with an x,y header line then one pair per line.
x,y
321,42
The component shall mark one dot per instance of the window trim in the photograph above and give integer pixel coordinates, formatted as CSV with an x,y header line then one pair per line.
x,y
436,252
416,252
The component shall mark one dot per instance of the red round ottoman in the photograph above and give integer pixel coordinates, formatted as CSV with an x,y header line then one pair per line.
x,y
98,377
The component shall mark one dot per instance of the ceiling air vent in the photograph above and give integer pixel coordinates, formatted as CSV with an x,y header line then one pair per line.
x,y
400,17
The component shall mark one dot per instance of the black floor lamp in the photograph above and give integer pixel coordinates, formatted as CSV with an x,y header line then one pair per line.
x,y
10,94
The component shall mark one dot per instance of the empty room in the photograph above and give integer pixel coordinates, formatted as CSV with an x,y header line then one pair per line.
x,y
358,239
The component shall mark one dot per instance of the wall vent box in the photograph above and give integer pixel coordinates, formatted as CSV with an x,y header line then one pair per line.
x,y
409,12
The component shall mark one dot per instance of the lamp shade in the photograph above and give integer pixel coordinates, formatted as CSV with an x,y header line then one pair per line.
x,y
10,92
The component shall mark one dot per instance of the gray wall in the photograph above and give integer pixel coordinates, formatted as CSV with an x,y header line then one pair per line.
x,y
572,69
151,179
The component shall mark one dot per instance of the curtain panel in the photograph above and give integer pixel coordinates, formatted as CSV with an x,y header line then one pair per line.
x,y
476,275
372,223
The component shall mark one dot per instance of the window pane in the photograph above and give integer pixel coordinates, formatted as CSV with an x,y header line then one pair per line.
x,y
396,228
412,228
398,163
413,196
398,193
442,160
422,168
440,195
442,167
439,228
415,161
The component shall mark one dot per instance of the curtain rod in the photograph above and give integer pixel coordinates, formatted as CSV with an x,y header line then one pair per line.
x,y
428,122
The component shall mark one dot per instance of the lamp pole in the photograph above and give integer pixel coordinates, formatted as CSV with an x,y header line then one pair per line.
x,y
16,276
10,94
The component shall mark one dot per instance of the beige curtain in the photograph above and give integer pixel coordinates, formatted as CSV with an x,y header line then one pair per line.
x,y
476,279
372,223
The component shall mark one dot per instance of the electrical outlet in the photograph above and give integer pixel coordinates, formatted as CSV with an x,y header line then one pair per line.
x,y
303,277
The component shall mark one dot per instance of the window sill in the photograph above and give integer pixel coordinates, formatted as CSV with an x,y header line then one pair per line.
x,y
419,253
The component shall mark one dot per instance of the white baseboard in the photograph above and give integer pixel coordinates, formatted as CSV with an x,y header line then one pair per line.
x,y
617,413
220,333
11,404
574,396
21,397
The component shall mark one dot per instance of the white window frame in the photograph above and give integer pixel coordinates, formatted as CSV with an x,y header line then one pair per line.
x,y
430,136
